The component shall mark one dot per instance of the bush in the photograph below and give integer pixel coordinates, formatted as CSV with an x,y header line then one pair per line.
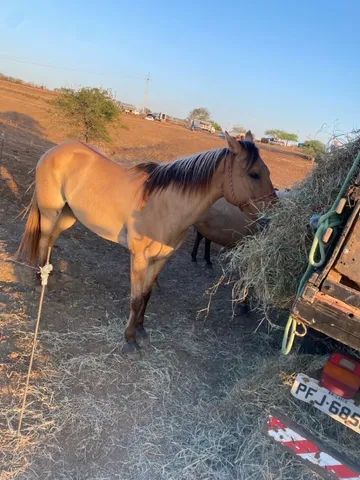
x,y
88,110
217,127
314,148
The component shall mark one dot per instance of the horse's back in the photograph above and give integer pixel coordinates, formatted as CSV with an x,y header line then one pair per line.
x,y
67,157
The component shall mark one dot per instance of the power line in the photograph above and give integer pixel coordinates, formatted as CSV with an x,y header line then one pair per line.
x,y
58,67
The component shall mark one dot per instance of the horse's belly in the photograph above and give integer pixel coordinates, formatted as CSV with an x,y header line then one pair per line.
x,y
106,227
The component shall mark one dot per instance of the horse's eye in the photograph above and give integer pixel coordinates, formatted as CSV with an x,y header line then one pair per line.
x,y
254,175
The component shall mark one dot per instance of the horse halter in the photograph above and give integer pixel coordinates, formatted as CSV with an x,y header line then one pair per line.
x,y
233,199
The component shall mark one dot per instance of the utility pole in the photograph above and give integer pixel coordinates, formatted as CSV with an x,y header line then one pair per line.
x,y
146,92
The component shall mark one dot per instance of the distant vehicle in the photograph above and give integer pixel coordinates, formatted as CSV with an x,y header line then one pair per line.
x,y
128,108
272,140
160,117
196,124
301,145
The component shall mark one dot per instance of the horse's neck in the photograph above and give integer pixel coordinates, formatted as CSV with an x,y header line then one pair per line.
x,y
198,204
192,205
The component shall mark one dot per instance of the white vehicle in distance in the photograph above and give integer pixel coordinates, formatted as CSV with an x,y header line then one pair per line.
x,y
196,124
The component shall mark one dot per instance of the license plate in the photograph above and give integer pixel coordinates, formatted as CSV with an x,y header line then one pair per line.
x,y
344,411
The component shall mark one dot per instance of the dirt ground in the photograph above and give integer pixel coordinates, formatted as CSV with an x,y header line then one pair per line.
x,y
134,138
193,404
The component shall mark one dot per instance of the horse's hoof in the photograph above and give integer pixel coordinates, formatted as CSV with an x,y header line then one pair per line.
x,y
209,265
130,347
141,333
142,336
193,259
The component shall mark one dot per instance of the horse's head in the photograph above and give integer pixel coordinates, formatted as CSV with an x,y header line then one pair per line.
x,y
247,182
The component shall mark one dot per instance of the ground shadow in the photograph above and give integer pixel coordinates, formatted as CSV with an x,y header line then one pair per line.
x,y
22,143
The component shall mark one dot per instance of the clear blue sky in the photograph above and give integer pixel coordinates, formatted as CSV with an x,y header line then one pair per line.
x,y
289,64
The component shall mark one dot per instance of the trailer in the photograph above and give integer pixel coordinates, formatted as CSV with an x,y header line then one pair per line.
x,y
329,302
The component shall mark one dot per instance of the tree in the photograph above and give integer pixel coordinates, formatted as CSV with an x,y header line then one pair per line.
x,y
314,148
286,136
217,127
88,110
200,113
289,137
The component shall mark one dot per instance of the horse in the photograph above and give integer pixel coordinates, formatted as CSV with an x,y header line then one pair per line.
x,y
147,208
226,225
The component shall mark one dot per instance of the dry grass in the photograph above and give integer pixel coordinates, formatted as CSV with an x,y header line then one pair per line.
x,y
269,265
158,417
15,451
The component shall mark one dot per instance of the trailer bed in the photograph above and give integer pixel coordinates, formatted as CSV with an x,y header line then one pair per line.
x,y
330,302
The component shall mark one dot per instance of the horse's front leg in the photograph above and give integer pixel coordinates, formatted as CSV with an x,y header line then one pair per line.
x,y
137,306
143,275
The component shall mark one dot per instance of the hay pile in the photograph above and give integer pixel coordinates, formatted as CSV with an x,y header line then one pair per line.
x,y
269,265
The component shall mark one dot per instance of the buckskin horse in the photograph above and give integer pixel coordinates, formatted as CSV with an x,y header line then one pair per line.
x,y
223,224
147,208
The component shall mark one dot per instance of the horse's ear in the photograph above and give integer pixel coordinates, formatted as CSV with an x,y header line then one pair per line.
x,y
233,144
249,136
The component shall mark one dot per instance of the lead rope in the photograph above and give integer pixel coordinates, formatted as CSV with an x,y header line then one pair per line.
x,y
44,274
329,220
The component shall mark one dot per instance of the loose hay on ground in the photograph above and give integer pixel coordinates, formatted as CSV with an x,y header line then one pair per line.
x,y
269,265
115,418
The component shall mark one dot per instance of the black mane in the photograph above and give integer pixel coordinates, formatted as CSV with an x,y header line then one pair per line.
x,y
190,173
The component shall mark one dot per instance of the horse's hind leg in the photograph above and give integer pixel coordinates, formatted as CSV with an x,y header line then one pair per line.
x,y
198,239
53,222
48,219
207,252
65,220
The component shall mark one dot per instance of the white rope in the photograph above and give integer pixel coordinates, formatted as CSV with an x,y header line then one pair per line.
x,y
44,274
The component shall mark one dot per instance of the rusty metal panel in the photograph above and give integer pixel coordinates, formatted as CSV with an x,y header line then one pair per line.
x,y
348,262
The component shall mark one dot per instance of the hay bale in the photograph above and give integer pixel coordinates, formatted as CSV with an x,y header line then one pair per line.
x,y
269,265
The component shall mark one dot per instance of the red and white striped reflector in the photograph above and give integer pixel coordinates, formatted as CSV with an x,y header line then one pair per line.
x,y
308,450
